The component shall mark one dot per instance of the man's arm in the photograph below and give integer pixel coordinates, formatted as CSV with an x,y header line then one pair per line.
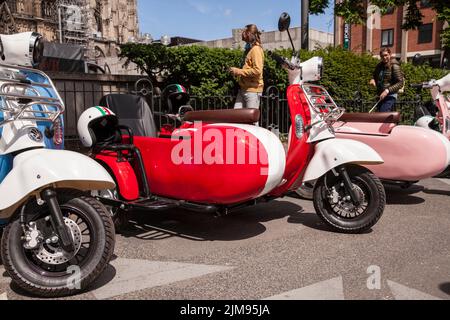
x,y
398,76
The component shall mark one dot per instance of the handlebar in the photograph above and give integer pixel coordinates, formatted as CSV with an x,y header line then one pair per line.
x,y
282,60
424,85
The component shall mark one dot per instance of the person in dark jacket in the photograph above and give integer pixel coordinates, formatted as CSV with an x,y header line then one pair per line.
x,y
388,78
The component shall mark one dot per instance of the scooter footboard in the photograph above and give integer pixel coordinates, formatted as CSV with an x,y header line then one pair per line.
x,y
36,169
333,153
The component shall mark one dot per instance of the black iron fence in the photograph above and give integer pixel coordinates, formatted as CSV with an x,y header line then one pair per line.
x,y
80,92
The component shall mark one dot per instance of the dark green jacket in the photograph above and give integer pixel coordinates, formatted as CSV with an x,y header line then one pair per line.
x,y
389,78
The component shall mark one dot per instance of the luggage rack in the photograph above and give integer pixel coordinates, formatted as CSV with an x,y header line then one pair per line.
x,y
319,98
27,100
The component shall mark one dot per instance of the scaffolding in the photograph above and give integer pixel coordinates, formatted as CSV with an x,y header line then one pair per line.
x,y
73,20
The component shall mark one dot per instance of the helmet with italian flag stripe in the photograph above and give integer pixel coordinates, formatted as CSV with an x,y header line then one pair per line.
x,y
96,125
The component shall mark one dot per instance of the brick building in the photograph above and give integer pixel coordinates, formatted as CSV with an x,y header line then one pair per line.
x,y
385,31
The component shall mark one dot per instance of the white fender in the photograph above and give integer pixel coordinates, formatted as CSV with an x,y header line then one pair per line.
x,y
36,169
332,153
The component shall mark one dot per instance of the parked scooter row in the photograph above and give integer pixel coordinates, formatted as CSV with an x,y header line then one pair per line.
x,y
57,239
59,208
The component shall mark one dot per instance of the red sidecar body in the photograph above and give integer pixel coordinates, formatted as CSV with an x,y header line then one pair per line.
x,y
216,157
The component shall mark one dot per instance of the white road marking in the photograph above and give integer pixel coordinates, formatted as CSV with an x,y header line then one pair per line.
x,y
332,289
134,275
402,292
3,297
447,181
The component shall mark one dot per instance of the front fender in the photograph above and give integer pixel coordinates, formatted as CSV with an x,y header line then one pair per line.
x,y
333,153
36,169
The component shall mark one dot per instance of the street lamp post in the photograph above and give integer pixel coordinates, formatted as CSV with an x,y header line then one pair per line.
x,y
305,24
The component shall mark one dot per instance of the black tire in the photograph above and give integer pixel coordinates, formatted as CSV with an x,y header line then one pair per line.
x,y
36,277
374,194
445,174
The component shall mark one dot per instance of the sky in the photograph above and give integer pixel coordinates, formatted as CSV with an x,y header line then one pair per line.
x,y
214,19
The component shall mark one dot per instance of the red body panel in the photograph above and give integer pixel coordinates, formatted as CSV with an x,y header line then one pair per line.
x,y
300,151
211,173
123,173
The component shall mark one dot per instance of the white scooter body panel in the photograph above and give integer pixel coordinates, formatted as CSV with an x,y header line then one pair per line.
x,y
332,153
36,169
16,136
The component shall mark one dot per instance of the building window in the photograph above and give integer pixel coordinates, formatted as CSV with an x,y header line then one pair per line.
x,y
387,38
98,15
390,10
426,33
425,3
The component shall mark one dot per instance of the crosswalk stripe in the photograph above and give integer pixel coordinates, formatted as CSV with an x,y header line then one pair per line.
x,y
402,292
3,297
447,181
134,275
332,289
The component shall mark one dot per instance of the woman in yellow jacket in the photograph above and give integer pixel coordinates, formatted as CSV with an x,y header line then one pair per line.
x,y
250,77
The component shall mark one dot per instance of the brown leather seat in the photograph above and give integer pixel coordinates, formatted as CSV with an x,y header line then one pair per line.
x,y
378,117
245,116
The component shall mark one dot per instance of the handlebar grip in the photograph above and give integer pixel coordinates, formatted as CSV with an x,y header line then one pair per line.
x,y
281,60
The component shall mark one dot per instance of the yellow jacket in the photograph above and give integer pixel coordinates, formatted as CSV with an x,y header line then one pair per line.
x,y
251,75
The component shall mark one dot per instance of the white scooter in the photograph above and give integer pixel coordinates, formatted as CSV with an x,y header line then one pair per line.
x,y
56,239
438,89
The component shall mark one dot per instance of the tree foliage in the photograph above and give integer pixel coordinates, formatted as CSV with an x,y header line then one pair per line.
x,y
204,71
354,11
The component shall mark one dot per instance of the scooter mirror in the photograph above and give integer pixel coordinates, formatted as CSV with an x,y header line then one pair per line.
x,y
284,22
417,60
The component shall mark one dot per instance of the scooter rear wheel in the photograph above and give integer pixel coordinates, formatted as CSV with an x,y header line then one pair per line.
x,y
48,271
334,205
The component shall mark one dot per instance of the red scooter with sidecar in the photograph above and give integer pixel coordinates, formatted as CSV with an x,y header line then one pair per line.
x,y
218,160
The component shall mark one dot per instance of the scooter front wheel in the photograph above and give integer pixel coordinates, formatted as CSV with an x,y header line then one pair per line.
x,y
33,256
336,208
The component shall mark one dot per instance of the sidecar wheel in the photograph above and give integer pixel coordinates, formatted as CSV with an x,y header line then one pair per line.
x,y
335,208
48,271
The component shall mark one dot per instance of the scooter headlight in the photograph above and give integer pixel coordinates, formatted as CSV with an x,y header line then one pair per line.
x,y
36,48
312,69
22,49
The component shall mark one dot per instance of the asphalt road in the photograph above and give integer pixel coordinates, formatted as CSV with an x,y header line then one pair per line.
x,y
281,250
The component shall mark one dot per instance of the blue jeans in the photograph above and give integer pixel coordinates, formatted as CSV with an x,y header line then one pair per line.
x,y
387,105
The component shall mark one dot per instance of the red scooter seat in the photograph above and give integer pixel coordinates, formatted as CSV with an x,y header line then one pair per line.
x,y
244,116
379,117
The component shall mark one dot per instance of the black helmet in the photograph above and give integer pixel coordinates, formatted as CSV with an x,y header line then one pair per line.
x,y
173,97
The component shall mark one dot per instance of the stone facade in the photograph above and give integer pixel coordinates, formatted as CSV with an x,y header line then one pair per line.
x,y
99,25
275,40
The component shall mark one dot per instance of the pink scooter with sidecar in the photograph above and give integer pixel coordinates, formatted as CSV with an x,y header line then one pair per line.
x,y
410,153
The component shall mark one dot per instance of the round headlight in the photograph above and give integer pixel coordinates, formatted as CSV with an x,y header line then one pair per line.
x,y
36,48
